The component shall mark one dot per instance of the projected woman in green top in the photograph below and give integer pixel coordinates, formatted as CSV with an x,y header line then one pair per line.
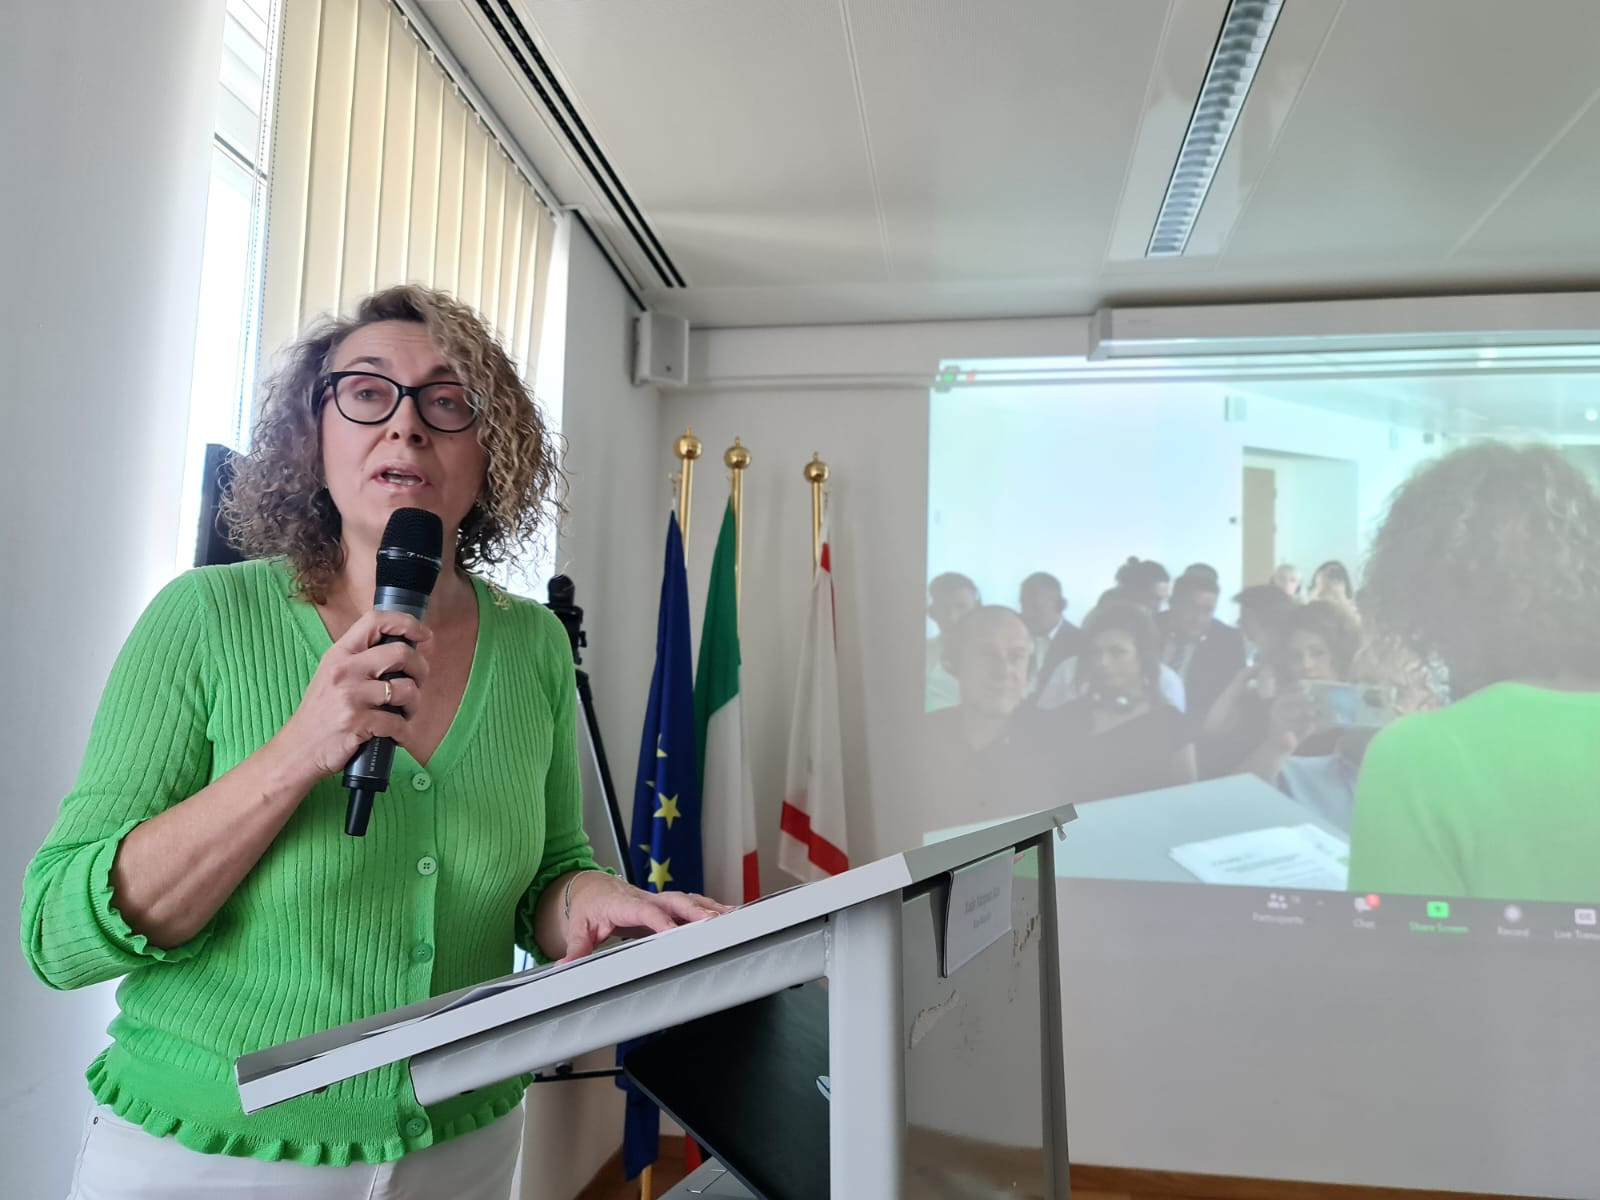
x,y
1488,565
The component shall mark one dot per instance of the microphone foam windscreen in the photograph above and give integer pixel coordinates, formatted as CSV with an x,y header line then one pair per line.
x,y
418,536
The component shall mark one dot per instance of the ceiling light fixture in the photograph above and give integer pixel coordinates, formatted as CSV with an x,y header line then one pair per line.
x,y
1245,30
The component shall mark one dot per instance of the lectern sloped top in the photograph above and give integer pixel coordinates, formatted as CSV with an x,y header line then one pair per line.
x,y
295,1068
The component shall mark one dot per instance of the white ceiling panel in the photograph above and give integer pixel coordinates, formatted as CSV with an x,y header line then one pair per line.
x,y
812,161
1000,133
1415,118
736,112
1558,191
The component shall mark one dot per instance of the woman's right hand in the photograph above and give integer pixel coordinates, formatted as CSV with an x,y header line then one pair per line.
x,y
1293,717
1264,681
343,704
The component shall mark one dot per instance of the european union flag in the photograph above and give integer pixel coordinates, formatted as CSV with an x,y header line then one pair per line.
x,y
666,793
665,835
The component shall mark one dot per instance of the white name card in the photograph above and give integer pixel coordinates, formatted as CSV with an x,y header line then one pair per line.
x,y
979,912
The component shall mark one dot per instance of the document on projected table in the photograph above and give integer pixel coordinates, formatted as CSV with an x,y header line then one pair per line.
x,y
1302,856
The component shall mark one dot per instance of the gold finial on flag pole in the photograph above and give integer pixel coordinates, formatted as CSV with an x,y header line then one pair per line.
x,y
736,460
816,473
687,448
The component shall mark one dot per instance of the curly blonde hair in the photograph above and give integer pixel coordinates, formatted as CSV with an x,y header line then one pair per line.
x,y
278,502
1488,562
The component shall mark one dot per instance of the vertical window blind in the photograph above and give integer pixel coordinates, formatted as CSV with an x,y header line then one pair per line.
x,y
383,173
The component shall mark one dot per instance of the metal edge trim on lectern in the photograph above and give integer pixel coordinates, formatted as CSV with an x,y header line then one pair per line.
x,y
692,990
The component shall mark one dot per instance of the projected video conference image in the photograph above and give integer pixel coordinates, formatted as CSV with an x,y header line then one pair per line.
x,y
1305,637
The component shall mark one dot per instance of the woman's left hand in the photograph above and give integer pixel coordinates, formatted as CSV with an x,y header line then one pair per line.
x,y
604,905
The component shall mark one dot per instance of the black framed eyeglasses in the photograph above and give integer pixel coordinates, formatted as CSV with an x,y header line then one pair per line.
x,y
368,399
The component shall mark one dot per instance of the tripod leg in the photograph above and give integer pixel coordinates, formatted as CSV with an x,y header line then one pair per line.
x,y
602,770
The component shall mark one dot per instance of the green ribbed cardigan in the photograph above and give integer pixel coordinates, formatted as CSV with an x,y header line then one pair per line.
x,y
326,928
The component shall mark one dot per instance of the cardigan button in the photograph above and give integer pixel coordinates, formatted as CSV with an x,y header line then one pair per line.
x,y
416,1127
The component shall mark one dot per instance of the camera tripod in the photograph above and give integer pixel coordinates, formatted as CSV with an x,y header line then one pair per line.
x,y
562,593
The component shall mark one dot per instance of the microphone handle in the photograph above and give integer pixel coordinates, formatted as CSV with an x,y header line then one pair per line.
x,y
368,772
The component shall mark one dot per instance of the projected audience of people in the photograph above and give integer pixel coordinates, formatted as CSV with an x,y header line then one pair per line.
x,y
1444,719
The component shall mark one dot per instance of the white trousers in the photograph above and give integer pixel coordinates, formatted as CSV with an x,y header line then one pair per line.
x,y
120,1161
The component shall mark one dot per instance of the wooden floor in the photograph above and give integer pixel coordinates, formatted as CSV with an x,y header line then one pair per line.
x,y
1088,1183
610,1185
1116,1183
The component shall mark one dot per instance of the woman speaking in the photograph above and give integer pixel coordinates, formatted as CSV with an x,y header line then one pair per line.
x,y
202,852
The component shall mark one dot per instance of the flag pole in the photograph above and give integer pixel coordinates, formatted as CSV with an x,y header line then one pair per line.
x,y
687,448
736,460
816,474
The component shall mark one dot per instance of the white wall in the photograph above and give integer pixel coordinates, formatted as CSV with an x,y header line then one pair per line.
x,y
1073,479
1193,1043
1335,485
106,144
611,547
611,543
1317,515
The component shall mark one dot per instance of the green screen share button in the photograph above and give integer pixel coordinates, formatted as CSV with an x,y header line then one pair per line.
x,y
1438,921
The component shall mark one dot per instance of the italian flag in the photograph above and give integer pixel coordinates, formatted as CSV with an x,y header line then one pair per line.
x,y
812,842
727,796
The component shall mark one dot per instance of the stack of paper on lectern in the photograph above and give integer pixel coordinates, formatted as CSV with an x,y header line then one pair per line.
x,y
1302,856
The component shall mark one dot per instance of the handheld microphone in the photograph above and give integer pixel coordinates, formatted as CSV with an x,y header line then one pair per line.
x,y
408,566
